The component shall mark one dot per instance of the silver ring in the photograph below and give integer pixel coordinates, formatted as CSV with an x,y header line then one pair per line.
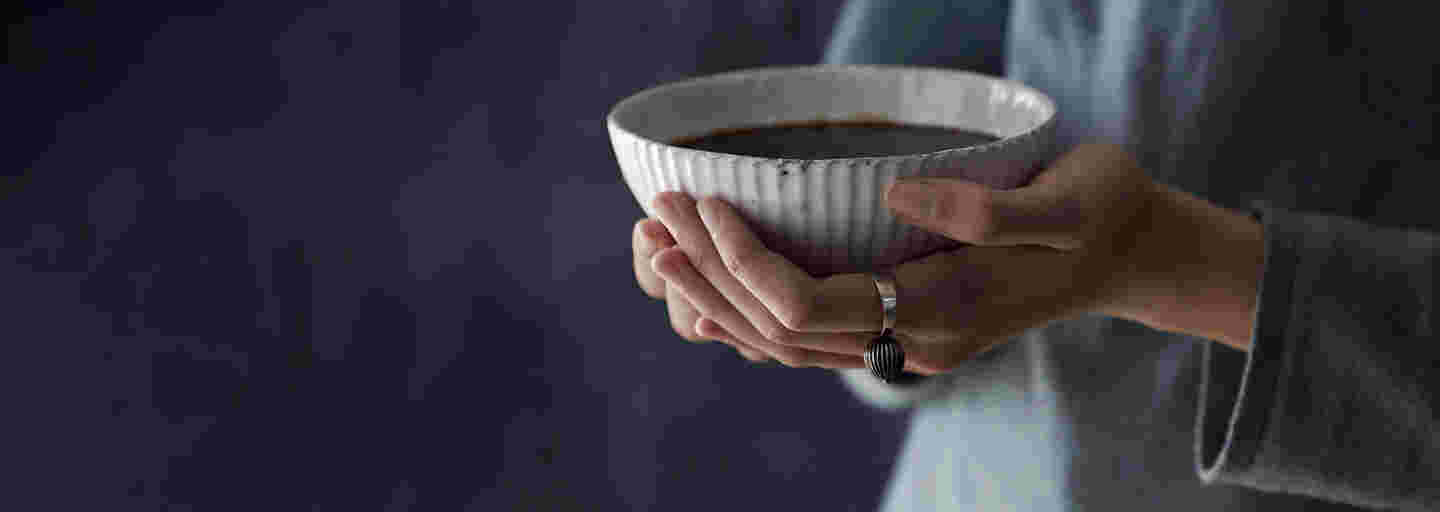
x,y
885,286
884,356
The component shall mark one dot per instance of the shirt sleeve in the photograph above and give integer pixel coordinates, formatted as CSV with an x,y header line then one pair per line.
x,y
1337,397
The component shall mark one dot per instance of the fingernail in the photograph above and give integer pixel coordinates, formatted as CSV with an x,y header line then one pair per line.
x,y
912,199
657,234
703,327
663,269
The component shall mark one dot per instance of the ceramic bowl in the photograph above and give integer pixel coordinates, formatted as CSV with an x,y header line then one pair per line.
x,y
828,216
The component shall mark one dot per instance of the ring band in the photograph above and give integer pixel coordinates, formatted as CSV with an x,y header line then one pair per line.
x,y
885,286
884,356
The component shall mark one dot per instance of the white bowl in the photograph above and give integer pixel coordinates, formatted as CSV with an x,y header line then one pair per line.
x,y
829,216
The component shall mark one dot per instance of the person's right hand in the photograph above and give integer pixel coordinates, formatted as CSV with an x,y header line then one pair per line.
x,y
651,237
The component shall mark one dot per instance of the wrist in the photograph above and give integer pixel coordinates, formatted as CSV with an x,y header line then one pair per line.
x,y
1195,268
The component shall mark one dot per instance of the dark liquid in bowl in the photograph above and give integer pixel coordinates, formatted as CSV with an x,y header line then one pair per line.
x,y
822,140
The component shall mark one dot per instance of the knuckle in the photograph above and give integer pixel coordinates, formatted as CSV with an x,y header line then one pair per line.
x,y
741,263
797,316
736,265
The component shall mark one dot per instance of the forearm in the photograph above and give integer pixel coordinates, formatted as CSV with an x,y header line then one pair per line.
x,y
1197,269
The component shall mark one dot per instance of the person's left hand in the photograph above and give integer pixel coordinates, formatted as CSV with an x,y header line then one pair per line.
x,y
1079,239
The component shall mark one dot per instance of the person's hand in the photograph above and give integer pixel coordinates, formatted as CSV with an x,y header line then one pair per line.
x,y
649,238
655,248
1091,234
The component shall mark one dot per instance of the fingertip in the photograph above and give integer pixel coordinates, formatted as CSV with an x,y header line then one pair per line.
x,y
656,233
668,261
709,329
911,198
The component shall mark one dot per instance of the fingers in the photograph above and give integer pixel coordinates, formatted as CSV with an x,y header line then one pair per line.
x,y
692,327
711,330
955,305
1064,208
842,303
714,291
731,288
782,287
674,266
680,216
682,315
976,214
1050,212
677,270
648,237
687,323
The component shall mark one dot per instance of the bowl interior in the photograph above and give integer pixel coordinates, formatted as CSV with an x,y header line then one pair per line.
x,y
937,97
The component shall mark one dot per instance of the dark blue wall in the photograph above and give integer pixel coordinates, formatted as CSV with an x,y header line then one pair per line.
x,y
374,256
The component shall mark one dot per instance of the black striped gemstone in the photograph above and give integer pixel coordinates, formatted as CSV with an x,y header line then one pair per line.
x,y
885,359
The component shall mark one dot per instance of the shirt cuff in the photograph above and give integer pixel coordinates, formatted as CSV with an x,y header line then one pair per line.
x,y
1237,389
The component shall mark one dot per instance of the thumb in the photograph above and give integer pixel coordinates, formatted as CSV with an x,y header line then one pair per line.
x,y
970,212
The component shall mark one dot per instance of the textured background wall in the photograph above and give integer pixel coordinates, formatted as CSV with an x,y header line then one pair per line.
x,y
373,256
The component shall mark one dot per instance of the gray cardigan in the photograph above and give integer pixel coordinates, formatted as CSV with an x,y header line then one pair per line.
x,y
1319,117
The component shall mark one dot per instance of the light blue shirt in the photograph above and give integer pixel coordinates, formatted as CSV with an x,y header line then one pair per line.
x,y
1238,102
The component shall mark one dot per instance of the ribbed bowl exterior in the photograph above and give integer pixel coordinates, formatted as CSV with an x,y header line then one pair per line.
x,y
828,216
